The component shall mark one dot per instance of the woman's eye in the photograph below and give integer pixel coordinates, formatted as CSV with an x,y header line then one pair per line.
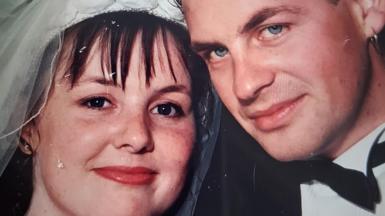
x,y
97,103
168,109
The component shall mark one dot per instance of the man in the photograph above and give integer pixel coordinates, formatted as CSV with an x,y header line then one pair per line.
x,y
306,78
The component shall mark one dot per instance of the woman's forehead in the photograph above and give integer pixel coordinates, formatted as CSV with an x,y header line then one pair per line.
x,y
146,52
162,59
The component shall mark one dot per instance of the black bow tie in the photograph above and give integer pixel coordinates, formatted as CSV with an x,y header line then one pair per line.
x,y
350,184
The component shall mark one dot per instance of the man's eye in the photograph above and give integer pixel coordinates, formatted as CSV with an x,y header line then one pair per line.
x,y
217,53
97,103
220,52
272,32
275,29
168,109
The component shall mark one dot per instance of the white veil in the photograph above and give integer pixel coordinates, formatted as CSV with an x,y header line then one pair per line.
x,y
31,29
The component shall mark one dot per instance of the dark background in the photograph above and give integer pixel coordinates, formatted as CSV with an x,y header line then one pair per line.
x,y
244,180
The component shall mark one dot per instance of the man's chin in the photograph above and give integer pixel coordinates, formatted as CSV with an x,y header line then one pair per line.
x,y
287,152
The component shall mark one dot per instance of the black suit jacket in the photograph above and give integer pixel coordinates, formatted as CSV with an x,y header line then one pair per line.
x,y
244,180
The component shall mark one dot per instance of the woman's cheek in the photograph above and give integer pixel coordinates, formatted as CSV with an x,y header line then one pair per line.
x,y
73,140
177,143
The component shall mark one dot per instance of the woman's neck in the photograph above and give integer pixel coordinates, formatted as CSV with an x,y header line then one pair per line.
x,y
41,202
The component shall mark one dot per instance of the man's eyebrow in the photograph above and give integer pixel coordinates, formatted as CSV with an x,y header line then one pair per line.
x,y
202,46
261,15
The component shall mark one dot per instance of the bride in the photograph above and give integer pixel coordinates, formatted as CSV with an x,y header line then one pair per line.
x,y
103,96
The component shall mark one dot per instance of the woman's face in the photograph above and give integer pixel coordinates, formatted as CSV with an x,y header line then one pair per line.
x,y
105,150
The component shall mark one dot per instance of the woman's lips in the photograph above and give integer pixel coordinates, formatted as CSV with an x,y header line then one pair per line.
x,y
127,175
277,115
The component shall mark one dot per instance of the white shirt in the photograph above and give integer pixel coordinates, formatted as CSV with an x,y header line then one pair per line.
x,y
318,199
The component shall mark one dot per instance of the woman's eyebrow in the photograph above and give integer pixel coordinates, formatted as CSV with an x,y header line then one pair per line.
x,y
166,89
174,88
261,15
98,80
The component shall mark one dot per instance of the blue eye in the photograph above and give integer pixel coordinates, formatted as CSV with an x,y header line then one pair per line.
x,y
272,33
275,29
168,109
97,103
216,54
220,52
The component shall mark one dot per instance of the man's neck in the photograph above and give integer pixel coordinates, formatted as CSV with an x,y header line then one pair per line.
x,y
372,113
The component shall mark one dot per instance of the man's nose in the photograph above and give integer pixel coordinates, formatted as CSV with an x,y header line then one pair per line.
x,y
250,76
135,135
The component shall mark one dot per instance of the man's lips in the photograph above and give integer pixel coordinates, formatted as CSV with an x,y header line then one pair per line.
x,y
276,115
127,175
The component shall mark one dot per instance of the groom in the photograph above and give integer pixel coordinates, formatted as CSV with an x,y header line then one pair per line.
x,y
306,78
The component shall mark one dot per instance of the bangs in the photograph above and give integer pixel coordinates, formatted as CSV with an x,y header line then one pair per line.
x,y
115,33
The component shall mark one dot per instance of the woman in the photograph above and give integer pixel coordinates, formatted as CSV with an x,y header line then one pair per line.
x,y
106,107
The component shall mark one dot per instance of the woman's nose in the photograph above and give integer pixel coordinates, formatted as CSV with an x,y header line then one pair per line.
x,y
135,135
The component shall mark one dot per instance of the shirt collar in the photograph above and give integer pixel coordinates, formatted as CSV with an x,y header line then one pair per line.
x,y
356,157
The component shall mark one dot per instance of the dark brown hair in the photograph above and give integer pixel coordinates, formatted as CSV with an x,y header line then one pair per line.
x,y
115,33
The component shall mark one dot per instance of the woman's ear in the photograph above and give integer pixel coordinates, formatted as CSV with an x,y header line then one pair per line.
x,y
29,138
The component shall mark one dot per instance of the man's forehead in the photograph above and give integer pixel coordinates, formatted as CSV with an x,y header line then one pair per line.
x,y
200,14
215,8
224,18
189,6
181,2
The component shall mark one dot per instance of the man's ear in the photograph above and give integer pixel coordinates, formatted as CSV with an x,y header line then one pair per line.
x,y
373,15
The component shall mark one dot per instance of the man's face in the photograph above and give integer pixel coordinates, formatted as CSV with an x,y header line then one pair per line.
x,y
292,72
